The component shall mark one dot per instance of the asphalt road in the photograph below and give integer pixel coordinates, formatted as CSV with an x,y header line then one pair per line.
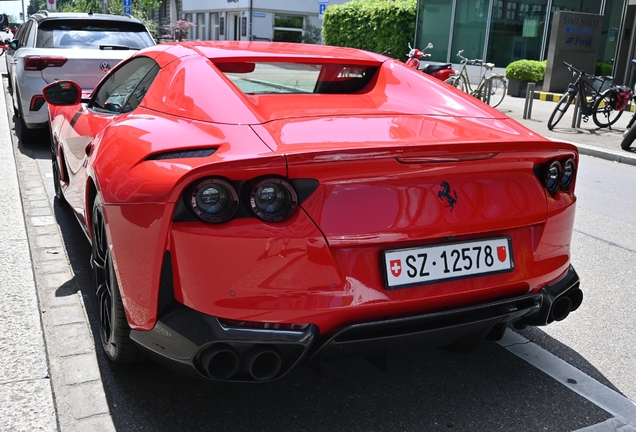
x,y
488,389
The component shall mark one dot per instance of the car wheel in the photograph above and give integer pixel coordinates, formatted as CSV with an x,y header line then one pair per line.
x,y
57,177
113,326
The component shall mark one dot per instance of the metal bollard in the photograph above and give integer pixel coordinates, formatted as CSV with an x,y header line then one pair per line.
x,y
487,91
527,109
576,117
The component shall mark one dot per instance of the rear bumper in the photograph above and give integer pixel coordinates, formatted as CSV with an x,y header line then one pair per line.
x,y
197,344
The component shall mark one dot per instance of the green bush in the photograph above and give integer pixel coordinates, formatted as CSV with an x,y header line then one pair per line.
x,y
526,70
372,25
603,69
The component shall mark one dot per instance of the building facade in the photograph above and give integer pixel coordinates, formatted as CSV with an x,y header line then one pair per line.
x,y
266,20
501,31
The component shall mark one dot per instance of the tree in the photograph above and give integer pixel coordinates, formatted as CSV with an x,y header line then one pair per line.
x,y
141,9
311,34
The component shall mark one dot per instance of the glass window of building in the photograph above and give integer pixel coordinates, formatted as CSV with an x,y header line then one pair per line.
x,y
469,33
516,32
288,28
434,26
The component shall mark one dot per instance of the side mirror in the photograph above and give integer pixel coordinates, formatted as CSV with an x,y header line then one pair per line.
x,y
429,46
14,44
60,93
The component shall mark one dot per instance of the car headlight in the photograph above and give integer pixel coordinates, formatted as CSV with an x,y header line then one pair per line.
x,y
552,178
214,200
273,199
567,178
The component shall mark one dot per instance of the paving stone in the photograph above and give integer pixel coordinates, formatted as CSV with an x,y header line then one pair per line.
x,y
80,369
49,241
93,393
55,280
73,339
93,424
66,315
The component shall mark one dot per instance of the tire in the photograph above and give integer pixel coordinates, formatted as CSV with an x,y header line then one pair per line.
x,y
456,81
629,138
113,327
604,115
57,178
560,109
498,89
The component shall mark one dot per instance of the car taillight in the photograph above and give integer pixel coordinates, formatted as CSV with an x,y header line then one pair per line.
x,y
273,199
557,175
214,200
37,63
569,171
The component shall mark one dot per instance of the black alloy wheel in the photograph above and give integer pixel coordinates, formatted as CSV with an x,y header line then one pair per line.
x,y
113,326
57,178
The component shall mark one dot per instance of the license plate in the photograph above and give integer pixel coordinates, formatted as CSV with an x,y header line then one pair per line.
x,y
423,265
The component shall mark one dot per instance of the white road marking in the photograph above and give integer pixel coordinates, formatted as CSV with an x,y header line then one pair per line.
x,y
614,403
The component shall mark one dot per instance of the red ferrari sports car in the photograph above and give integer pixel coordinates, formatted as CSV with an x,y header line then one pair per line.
x,y
253,205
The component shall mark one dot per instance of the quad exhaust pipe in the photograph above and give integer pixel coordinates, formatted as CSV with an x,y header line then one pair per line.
x,y
222,362
565,304
263,363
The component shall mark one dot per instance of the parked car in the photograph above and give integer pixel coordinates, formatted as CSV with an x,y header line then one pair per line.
x,y
252,205
56,46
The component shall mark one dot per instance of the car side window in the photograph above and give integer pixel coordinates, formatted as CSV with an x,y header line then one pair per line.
x,y
29,35
22,37
124,89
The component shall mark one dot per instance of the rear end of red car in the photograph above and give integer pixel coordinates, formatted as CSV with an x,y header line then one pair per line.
x,y
367,227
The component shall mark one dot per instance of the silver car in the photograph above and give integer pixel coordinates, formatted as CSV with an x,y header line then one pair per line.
x,y
80,47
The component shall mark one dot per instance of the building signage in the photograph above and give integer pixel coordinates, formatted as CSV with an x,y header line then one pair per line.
x,y
258,15
574,38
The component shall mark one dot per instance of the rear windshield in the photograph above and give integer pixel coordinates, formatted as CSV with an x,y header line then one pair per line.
x,y
87,34
295,78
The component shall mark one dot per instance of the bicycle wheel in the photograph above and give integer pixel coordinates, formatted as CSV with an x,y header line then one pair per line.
x,y
456,81
604,115
497,90
629,138
560,110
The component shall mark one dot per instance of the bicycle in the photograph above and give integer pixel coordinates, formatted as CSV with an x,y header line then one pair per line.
x,y
495,82
601,106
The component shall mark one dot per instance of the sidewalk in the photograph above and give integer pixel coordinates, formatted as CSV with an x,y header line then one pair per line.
x,y
48,386
49,377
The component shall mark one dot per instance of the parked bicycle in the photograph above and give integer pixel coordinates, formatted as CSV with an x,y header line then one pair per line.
x,y
630,134
605,106
491,89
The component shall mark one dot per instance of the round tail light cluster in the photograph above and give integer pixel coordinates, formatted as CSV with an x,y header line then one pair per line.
x,y
559,175
273,200
216,200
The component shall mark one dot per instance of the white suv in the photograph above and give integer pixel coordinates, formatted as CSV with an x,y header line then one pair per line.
x,y
66,46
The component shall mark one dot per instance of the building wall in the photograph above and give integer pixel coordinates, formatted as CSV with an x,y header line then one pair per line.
x,y
226,18
501,31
